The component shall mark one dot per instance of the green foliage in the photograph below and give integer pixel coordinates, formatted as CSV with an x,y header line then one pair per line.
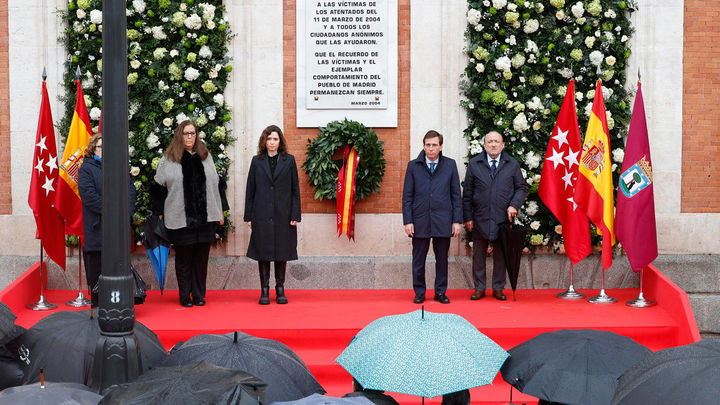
x,y
323,171
174,73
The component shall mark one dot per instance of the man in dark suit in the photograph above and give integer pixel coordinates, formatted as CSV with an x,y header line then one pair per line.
x,y
493,192
432,209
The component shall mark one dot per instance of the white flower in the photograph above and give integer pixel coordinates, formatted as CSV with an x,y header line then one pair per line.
x,y
512,6
480,67
609,37
159,53
558,229
134,170
560,15
588,109
194,22
158,33
565,72
623,38
213,74
218,99
610,60
139,5
174,53
502,63
183,7
535,103
531,47
152,141
520,123
205,52
135,64
95,113
191,74
167,122
610,13
473,16
531,26
568,39
578,9
518,60
80,14
607,92
579,96
532,208
618,155
88,100
208,11
596,58
532,160
210,24
589,42
96,17
486,3
498,4
535,225
131,150
180,118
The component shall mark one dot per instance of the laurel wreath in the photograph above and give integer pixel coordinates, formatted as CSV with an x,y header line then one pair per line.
x,y
322,170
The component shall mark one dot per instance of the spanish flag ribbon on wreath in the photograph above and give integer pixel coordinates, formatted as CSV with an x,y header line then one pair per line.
x,y
594,192
67,197
345,199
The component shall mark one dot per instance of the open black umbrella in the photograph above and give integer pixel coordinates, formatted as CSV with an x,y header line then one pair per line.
x,y
572,366
317,399
51,393
687,374
157,247
8,329
64,344
287,377
197,383
11,373
512,241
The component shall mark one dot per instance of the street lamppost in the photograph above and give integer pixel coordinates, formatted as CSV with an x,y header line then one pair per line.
x,y
117,354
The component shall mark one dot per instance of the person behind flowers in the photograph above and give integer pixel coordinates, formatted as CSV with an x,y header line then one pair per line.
x,y
90,189
272,210
188,198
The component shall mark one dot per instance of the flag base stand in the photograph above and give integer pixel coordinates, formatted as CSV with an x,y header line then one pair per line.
x,y
602,298
79,301
41,305
641,302
571,294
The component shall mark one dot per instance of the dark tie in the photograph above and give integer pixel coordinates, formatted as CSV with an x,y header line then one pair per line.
x,y
493,168
432,167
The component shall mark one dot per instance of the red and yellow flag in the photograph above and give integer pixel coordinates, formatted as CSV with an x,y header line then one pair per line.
x,y
67,198
346,193
594,192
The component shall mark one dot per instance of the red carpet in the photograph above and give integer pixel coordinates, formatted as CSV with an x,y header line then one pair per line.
x,y
318,324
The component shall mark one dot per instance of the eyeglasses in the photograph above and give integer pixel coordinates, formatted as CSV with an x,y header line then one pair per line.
x,y
188,134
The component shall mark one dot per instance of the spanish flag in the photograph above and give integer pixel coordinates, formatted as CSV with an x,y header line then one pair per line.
x,y
67,197
594,192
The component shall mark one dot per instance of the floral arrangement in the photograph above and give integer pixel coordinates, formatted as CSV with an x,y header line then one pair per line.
x,y
177,69
521,55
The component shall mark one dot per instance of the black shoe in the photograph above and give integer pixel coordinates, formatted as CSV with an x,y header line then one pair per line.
x,y
442,298
419,298
186,303
478,294
264,296
280,298
199,302
499,295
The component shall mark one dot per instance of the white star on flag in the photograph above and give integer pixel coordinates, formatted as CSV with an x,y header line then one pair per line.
x,y
556,158
48,186
39,166
567,179
572,200
561,137
572,158
41,144
51,164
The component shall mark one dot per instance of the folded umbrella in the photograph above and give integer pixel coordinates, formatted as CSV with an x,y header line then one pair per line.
x,y
197,383
157,247
287,377
51,393
422,353
512,240
687,374
572,366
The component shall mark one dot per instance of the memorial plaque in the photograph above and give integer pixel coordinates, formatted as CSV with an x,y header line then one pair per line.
x,y
347,62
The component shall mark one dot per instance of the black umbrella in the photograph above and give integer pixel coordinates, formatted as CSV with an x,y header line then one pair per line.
x,y
287,377
687,374
198,383
51,393
512,241
8,329
11,373
64,344
572,366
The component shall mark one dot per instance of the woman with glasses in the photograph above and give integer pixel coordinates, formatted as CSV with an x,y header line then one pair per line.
x,y
187,198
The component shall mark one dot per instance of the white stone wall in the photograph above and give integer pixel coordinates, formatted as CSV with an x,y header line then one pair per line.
x,y
256,94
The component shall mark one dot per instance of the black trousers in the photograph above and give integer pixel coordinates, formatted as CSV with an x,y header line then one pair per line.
x,y
441,247
191,263
478,267
93,264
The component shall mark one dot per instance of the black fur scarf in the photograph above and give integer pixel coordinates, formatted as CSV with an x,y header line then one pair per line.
x,y
194,190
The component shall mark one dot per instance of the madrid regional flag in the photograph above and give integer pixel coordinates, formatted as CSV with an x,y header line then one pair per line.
x,y
594,191
67,198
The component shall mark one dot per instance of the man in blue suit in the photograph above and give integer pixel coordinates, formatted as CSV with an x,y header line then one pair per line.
x,y
493,192
432,210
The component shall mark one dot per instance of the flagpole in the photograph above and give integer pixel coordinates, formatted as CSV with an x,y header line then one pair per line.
x,y
80,300
602,297
41,304
640,301
571,293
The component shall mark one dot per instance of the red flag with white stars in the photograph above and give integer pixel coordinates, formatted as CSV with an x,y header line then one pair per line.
x,y
43,185
559,178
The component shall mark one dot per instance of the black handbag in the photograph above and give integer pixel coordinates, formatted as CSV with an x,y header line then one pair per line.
x,y
139,287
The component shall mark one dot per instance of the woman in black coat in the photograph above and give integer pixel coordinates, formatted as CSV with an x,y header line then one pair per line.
x,y
272,210
90,189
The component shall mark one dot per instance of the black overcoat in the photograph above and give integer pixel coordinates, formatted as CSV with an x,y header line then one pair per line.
x,y
90,189
432,202
271,202
486,198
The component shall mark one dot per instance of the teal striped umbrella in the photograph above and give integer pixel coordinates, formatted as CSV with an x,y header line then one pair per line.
x,y
422,353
